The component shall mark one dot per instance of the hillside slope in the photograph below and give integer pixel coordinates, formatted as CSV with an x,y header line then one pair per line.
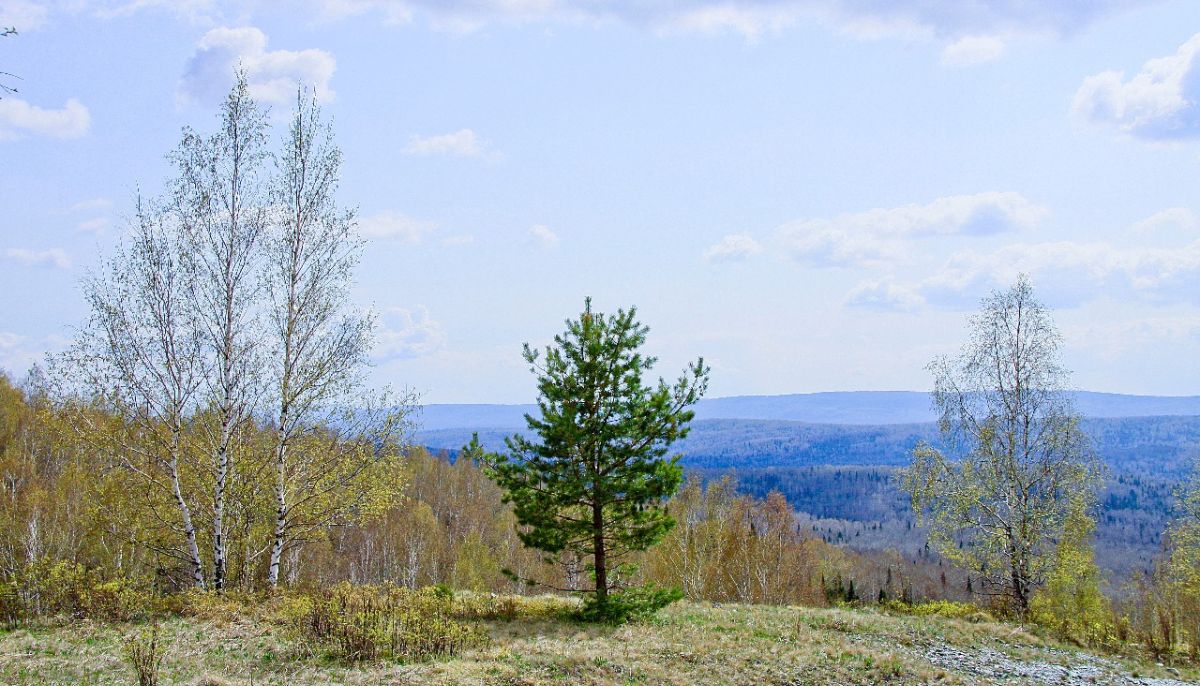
x,y
689,644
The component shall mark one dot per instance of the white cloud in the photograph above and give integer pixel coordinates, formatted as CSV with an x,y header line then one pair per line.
x,y
1076,272
871,19
543,236
393,12
389,225
1109,339
195,11
462,143
18,118
14,357
458,240
405,334
881,296
1068,273
54,257
272,74
1169,222
93,225
18,353
970,50
1161,102
876,236
22,15
748,21
733,248
90,205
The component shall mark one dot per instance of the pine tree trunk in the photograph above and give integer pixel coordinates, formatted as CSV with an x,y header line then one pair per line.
x,y
598,554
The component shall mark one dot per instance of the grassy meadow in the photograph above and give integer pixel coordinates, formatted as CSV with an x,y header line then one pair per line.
x,y
238,644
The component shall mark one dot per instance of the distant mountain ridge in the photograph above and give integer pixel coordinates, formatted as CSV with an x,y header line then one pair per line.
x,y
1160,445
868,408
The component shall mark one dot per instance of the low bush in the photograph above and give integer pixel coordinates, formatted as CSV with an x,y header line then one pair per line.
x,y
221,608
631,604
357,623
144,651
492,606
44,589
936,608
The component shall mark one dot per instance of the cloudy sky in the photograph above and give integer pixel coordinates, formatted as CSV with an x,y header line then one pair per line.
x,y
813,194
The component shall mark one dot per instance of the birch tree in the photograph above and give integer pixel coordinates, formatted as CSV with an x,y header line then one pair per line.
x,y
220,202
1183,564
996,492
142,355
320,346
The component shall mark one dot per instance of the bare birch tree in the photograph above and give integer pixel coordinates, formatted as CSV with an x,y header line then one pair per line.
x,y
220,202
319,345
142,353
996,493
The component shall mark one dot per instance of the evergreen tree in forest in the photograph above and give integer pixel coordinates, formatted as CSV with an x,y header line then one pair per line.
x,y
594,481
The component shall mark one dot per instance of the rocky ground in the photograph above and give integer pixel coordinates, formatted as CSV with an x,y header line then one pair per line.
x,y
1061,668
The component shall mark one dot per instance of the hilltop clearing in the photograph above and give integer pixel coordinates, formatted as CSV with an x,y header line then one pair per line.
x,y
688,644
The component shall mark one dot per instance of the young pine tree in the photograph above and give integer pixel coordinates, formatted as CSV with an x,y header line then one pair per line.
x,y
594,481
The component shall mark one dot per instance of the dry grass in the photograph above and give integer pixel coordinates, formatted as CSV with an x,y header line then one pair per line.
x,y
688,644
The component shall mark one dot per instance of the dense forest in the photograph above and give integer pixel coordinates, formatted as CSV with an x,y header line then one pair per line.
x,y
843,476
863,508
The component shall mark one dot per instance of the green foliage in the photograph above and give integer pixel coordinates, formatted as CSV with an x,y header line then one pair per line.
x,y
47,588
630,604
364,623
1183,565
936,608
1071,603
595,482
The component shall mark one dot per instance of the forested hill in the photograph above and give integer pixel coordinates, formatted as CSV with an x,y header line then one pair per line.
x,y
1154,445
854,407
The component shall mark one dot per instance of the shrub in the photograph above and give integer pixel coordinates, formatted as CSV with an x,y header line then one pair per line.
x,y
935,608
358,623
44,588
631,604
144,651
113,601
221,608
491,606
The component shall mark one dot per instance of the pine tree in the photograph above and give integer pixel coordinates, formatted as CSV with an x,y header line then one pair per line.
x,y
595,480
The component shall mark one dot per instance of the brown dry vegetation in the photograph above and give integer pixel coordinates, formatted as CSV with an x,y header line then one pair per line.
x,y
687,644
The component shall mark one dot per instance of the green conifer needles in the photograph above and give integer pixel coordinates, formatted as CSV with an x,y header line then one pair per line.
x,y
594,480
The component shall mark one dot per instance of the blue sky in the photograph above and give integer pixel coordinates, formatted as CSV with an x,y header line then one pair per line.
x,y
813,194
